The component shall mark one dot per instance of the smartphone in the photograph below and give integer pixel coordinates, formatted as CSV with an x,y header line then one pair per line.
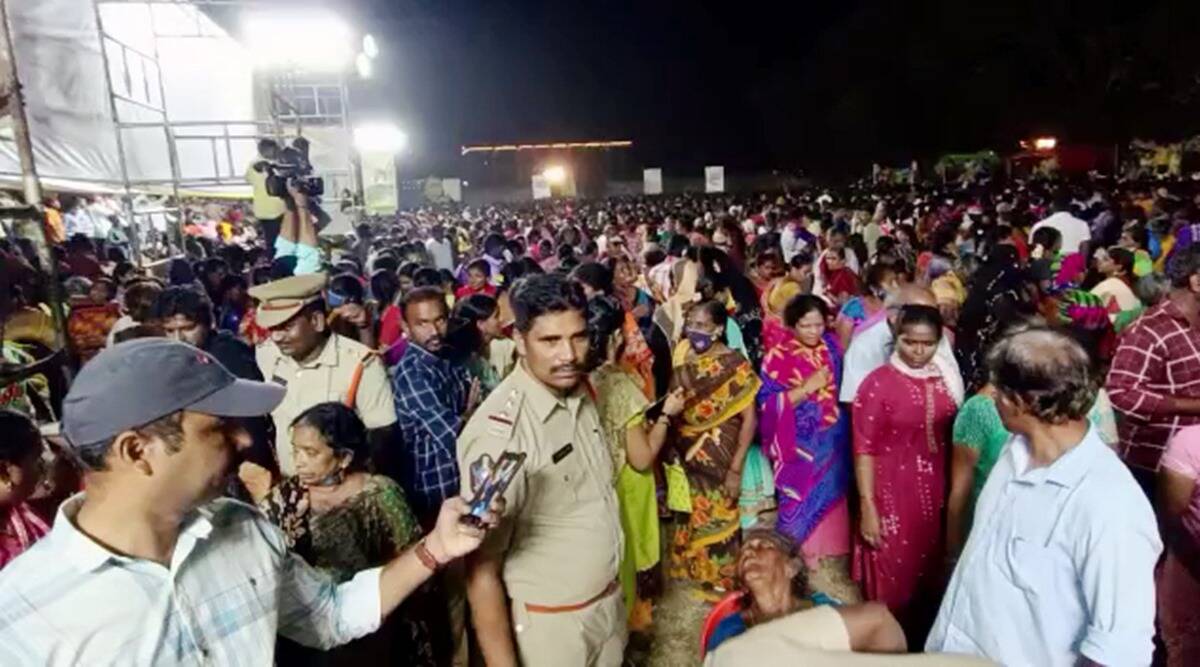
x,y
491,481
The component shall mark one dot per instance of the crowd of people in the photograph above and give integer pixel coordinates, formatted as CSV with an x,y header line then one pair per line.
x,y
960,423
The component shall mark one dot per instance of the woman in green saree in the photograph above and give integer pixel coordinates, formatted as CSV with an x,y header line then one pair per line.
x,y
636,432
342,519
714,433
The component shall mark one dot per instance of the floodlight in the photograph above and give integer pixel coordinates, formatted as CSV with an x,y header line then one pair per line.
x,y
1045,143
362,63
369,46
555,174
379,138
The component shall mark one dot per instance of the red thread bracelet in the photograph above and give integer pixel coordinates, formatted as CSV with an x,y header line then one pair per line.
x,y
426,557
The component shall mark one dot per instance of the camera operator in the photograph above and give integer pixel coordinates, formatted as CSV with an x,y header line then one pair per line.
x,y
298,233
268,210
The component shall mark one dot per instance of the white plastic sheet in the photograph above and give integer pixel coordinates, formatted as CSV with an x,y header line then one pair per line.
x,y
205,73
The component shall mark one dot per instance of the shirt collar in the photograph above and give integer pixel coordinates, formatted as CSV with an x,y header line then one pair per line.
x,y
421,354
543,400
1173,311
1067,471
88,555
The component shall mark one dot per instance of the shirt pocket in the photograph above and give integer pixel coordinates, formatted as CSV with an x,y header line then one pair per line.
x,y
247,598
1027,565
558,486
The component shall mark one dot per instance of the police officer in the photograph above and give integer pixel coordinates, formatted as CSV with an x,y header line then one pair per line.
x,y
543,587
315,364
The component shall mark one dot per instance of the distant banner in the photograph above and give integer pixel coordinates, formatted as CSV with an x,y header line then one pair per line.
x,y
452,187
652,181
379,182
541,187
714,179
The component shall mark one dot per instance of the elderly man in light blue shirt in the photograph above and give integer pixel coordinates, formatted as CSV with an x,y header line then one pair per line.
x,y
1059,566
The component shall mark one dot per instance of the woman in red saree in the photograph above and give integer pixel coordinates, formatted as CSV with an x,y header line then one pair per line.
x,y
20,472
713,436
902,420
835,280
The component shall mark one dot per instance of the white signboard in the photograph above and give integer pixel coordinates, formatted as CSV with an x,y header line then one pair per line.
x,y
452,188
714,179
541,187
652,181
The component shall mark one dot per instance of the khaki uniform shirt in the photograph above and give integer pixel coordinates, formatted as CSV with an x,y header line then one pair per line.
x,y
326,378
561,537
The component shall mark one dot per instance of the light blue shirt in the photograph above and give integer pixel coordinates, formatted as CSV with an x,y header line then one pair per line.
x,y
231,586
1060,563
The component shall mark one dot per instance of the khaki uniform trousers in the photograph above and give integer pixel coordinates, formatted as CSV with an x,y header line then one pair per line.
x,y
594,635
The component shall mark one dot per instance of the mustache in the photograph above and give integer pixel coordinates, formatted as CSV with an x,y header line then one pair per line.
x,y
571,368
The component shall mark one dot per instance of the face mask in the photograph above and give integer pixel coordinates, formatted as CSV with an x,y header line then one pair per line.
x,y
335,476
334,300
700,341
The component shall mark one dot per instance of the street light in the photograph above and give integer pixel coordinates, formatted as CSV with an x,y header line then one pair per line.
x,y
555,175
379,138
1045,143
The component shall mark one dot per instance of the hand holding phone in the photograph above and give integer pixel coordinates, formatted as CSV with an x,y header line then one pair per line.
x,y
490,481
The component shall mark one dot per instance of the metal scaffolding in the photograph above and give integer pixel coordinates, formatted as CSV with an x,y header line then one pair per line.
x,y
218,136
286,102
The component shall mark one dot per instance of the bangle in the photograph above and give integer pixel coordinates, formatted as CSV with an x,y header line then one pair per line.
x,y
426,557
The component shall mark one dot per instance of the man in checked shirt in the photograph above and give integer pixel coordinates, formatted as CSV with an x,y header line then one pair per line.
x,y
148,567
434,399
1154,381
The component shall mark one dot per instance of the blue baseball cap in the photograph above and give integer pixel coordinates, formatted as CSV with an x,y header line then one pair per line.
x,y
137,382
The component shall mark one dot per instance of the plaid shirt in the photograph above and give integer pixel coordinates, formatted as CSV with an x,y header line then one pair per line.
x,y
431,397
231,587
1157,358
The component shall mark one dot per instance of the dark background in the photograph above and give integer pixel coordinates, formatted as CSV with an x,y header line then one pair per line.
x,y
822,86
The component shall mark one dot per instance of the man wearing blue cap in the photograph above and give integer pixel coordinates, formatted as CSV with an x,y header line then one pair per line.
x,y
148,567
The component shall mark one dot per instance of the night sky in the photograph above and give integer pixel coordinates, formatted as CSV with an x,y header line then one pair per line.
x,y
822,86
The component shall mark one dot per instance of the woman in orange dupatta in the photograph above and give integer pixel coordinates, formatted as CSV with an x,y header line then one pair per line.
x,y
714,434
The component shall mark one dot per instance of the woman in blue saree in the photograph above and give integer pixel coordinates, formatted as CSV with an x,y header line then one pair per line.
x,y
806,435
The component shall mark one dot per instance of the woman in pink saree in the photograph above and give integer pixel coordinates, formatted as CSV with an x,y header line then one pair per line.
x,y
806,436
1178,576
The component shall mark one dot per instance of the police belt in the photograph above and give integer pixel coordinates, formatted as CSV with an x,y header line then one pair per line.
x,y
563,609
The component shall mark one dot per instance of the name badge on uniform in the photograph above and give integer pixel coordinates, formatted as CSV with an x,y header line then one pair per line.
x,y
279,381
562,453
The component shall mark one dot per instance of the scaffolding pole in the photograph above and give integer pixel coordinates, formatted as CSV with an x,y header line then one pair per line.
x,y
32,187
126,194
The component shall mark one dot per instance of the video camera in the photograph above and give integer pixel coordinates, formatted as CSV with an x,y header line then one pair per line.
x,y
291,166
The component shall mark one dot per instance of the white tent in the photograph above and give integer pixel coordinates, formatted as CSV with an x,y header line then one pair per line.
x,y
165,64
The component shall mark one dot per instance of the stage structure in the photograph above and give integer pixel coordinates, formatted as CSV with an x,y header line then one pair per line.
x,y
154,101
